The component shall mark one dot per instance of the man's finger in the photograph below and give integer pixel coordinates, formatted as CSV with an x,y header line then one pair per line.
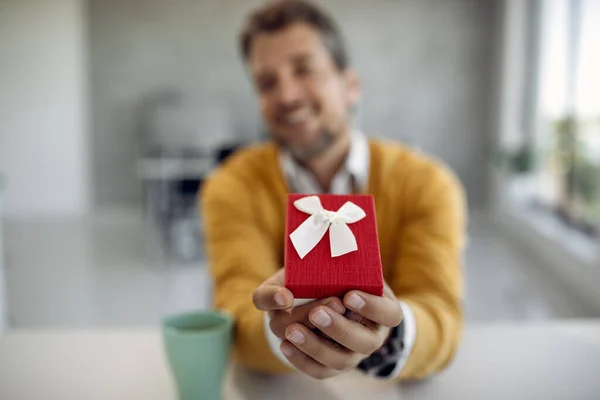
x,y
381,310
277,279
320,349
268,298
304,363
272,295
350,334
281,319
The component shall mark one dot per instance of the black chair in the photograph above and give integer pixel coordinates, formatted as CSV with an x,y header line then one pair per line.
x,y
224,152
185,199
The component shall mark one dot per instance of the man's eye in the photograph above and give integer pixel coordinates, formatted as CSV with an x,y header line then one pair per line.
x,y
303,70
265,85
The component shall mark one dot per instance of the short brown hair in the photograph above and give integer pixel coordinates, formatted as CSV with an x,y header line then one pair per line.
x,y
283,13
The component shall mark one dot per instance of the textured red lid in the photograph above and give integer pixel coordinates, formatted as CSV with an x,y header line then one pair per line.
x,y
319,274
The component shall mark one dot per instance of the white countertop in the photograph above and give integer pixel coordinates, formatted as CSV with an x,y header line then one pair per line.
x,y
542,360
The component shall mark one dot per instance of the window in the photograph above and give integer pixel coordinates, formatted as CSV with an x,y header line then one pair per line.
x,y
568,129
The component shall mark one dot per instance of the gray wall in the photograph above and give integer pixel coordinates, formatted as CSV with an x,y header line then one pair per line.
x,y
425,69
43,109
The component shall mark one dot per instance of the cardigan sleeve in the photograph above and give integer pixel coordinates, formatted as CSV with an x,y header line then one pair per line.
x,y
241,257
428,276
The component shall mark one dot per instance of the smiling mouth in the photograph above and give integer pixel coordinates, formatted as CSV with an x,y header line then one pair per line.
x,y
297,117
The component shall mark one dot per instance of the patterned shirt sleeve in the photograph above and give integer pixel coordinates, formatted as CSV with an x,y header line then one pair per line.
x,y
388,361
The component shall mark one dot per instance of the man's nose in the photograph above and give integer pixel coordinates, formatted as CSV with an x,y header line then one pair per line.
x,y
289,91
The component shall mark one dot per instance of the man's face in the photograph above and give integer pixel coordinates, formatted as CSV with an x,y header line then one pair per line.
x,y
304,98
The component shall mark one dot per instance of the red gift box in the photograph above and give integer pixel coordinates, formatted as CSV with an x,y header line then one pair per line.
x,y
318,274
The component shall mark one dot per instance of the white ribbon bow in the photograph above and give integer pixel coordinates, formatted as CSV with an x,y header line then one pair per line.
x,y
311,231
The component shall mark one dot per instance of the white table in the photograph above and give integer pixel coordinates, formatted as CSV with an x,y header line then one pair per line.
x,y
542,361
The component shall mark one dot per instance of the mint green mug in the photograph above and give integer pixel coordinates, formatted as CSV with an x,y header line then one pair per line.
x,y
197,346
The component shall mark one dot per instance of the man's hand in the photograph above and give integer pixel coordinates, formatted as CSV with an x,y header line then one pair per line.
x,y
354,336
274,298
348,337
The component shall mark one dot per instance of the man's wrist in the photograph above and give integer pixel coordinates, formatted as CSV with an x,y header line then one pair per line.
x,y
389,360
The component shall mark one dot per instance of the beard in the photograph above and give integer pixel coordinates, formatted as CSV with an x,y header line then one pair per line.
x,y
325,140
305,153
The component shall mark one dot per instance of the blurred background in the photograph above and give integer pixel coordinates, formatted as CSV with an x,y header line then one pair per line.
x,y
113,113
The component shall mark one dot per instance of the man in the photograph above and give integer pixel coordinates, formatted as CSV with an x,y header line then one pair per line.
x,y
307,93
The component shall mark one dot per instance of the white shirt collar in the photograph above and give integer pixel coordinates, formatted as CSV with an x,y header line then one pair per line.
x,y
354,172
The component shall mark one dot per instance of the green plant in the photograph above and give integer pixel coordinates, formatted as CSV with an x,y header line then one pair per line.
x,y
521,161
586,180
565,130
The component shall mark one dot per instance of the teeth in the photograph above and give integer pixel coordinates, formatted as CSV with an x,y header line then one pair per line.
x,y
298,116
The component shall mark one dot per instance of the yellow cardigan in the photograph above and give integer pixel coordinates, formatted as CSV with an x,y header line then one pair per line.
x,y
420,211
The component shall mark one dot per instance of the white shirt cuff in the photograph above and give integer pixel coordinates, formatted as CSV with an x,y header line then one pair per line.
x,y
273,340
